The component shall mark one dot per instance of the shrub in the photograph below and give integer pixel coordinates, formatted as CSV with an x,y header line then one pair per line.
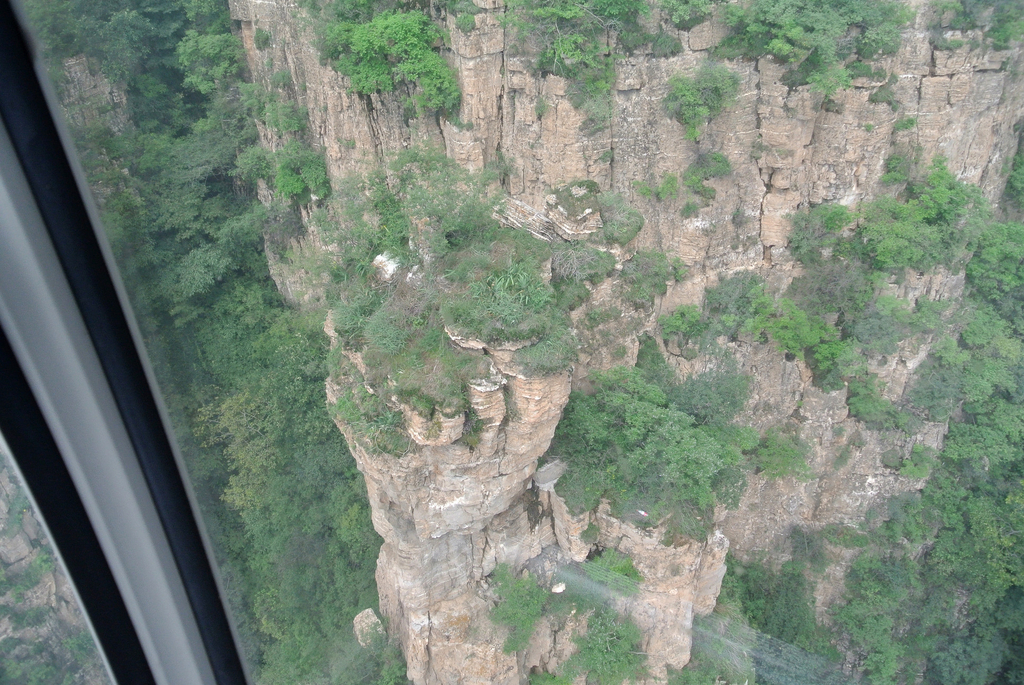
x,y
570,41
734,303
284,117
596,317
864,70
209,60
713,397
261,39
393,46
643,188
780,455
645,276
925,230
920,463
886,95
541,107
281,79
867,404
817,230
904,124
684,322
615,571
793,330
694,101
629,442
781,604
578,262
609,651
665,45
1015,181
836,285
555,353
705,167
897,170
465,22
620,222
510,303
301,173
685,14
521,605
884,324
815,35
669,188
254,163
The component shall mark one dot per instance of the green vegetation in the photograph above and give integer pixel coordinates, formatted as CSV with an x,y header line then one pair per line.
x,y
471,277
1004,25
904,124
646,275
571,40
885,94
301,174
780,454
615,571
706,167
694,101
522,603
685,14
261,39
778,603
645,441
957,537
815,36
393,47
1015,181
609,652
763,627
719,652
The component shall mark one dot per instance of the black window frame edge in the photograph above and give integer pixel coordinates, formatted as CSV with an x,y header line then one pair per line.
x,y
187,635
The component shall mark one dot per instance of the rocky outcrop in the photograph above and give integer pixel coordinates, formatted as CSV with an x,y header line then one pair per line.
x,y
87,96
39,613
450,512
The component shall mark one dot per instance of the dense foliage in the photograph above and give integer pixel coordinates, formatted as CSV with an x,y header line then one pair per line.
x,y
391,47
693,101
958,538
1003,25
816,36
580,41
903,612
630,441
607,652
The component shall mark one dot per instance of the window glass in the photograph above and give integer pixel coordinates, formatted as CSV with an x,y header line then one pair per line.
x,y
44,637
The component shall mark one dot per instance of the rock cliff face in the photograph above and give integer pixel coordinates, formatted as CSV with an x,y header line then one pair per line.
x,y
39,616
448,512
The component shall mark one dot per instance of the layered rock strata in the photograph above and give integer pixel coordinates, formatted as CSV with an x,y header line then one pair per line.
x,y
450,513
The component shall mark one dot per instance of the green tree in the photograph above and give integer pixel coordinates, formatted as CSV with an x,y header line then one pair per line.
x,y
694,101
209,59
392,47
